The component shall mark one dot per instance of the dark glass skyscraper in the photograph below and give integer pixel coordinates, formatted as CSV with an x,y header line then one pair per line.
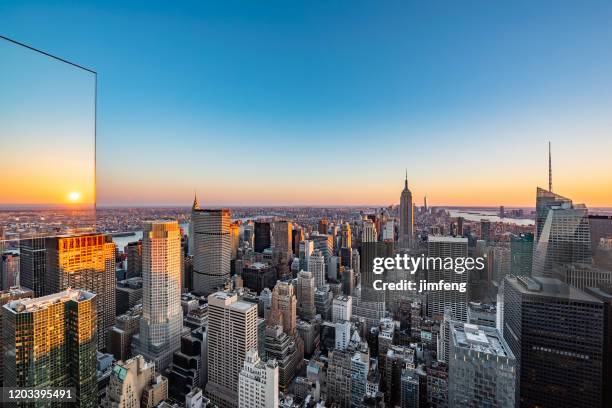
x,y
557,333
521,254
262,236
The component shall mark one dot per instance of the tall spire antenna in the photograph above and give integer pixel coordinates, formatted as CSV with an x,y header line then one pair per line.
x,y
406,180
549,169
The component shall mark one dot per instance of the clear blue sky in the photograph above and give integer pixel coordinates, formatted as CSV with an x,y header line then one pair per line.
x,y
327,102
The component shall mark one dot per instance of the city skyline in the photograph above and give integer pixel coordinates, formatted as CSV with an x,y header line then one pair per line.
x,y
229,94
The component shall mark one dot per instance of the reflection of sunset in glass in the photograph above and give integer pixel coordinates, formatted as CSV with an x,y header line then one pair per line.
x,y
47,128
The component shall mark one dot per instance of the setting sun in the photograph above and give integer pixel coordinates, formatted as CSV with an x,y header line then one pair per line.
x,y
74,196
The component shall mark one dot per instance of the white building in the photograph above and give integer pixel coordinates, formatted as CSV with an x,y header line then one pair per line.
x,y
343,335
258,382
232,332
478,352
342,308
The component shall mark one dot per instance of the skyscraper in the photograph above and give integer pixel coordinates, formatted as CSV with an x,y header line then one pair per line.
x,y
232,332
33,264
347,236
406,217
521,254
212,248
316,266
305,295
84,261
368,234
262,236
7,296
258,382
557,333
480,353
323,226
283,309
134,259
562,233
50,342
234,239
160,328
281,237
439,300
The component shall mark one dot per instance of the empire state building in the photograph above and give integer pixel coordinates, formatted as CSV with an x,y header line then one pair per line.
x,y
406,218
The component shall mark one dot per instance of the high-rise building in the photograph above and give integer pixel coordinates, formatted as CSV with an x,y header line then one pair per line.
x,y
370,251
297,236
232,332
347,236
212,248
120,335
480,352
283,308
9,269
521,254
603,292
600,227
281,237
33,264
439,300
562,233
258,382
7,296
323,302
258,276
396,359
160,328
306,248
557,333
368,233
134,259
323,226
134,383
51,342
263,239
305,296
409,388
316,266
339,376
85,261
128,294
406,217
342,308
234,230
485,231
360,367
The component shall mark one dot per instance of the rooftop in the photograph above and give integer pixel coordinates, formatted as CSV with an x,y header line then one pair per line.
x,y
442,238
478,338
549,287
34,304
